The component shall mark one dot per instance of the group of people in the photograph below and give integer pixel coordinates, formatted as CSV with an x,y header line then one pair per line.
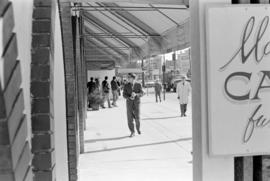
x,y
132,92
105,90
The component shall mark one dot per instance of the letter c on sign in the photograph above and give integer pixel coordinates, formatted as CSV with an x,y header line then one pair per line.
x,y
237,74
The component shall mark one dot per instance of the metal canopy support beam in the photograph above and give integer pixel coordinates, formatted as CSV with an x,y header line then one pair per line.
x,y
104,30
99,51
123,8
86,7
118,35
133,19
103,47
90,17
128,23
137,22
128,29
105,42
175,39
168,2
165,15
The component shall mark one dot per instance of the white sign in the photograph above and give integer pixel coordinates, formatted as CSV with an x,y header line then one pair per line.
x,y
238,66
184,63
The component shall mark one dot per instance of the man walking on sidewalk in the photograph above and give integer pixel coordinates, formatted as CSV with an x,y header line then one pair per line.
x,y
115,88
183,90
106,92
158,89
132,93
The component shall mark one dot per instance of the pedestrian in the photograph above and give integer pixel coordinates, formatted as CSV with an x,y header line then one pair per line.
x,y
106,92
91,85
97,83
119,86
183,89
132,93
158,89
114,87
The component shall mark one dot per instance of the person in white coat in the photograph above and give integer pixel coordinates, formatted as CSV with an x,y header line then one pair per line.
x,y
183,89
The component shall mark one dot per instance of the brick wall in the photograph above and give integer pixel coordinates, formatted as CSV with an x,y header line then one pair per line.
x,y
15,155
42,113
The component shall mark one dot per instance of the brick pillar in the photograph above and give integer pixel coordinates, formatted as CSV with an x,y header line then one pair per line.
x,y
71,92
15,155
41,88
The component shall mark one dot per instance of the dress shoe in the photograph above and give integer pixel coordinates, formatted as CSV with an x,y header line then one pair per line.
x,y
132,134
139,132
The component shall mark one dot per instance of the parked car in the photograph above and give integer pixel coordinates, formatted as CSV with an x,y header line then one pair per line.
x,y
149,84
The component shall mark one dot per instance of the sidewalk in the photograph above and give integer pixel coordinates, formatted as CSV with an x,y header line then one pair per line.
x,y
161,153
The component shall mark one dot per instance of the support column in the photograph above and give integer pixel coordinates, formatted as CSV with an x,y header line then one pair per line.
x,y
205,168
80,85
71,92
42,112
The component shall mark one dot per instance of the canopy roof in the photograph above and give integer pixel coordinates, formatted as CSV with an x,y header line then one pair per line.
x,y
128,31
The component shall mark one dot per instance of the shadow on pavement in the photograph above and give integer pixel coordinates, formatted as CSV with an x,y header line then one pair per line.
x,y
142,145
169,117
105,139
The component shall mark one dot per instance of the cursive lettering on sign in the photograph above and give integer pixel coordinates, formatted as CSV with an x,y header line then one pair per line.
x,y
255,121
251,46
245,54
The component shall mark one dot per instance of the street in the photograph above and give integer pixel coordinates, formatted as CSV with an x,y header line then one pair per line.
x,y
161,153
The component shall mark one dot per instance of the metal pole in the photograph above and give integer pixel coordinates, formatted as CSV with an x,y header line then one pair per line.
x,y
164,84
142,65
174,64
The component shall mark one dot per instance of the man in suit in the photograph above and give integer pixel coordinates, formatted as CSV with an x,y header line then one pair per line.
x,y
132,93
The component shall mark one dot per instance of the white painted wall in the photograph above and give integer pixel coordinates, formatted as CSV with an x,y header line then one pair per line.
x,y
101,74
23,27
61,157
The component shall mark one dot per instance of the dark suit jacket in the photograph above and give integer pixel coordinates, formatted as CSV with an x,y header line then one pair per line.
x,y
137,88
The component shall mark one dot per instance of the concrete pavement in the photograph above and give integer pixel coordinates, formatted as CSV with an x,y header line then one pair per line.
x,y
161,153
